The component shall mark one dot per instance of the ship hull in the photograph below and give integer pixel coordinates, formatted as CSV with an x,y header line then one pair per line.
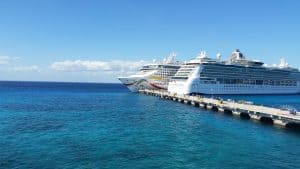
x,y
230,89
134,84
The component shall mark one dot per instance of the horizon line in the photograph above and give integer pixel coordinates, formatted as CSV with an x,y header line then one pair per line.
x,y
45,81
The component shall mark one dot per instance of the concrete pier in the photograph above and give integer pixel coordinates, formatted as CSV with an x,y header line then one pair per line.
x,y
242,109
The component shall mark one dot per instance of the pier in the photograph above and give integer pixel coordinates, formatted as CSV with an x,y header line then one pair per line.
x,y
243,109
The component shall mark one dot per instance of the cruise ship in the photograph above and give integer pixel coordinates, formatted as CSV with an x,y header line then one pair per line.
x,y
238,75
153,76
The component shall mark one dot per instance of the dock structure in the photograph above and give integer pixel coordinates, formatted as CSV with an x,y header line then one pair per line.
x,y
244,109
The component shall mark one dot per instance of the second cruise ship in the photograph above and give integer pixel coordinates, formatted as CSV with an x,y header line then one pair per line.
x,y
152,76
204,75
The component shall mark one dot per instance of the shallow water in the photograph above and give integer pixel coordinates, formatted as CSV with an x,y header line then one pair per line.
x,y
76,125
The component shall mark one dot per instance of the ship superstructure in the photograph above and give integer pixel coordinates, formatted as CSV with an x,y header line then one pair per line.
x,y
238,75
153,76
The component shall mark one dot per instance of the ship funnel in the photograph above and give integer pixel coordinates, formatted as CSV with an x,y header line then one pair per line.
x,y
202,55
171,58
219,56
283,63
237,55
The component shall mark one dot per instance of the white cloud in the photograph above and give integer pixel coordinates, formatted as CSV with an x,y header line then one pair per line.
x,y
6,59
111,67
32,68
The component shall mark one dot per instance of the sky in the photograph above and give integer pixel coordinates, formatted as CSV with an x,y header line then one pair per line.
x,y
99,40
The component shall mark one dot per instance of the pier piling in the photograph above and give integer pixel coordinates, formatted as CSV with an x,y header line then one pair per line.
x,y
264,114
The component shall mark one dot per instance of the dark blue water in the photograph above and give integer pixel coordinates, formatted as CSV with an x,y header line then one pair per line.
x,y
73,125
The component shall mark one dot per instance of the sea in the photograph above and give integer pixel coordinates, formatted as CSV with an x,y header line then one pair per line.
x,y
47,125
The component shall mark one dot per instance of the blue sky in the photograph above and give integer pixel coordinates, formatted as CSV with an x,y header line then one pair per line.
x,y
95,41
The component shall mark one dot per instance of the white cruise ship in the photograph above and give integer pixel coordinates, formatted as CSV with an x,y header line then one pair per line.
x,y
152,76
204,75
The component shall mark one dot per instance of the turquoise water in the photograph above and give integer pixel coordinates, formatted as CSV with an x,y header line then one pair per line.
x,y
73,125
